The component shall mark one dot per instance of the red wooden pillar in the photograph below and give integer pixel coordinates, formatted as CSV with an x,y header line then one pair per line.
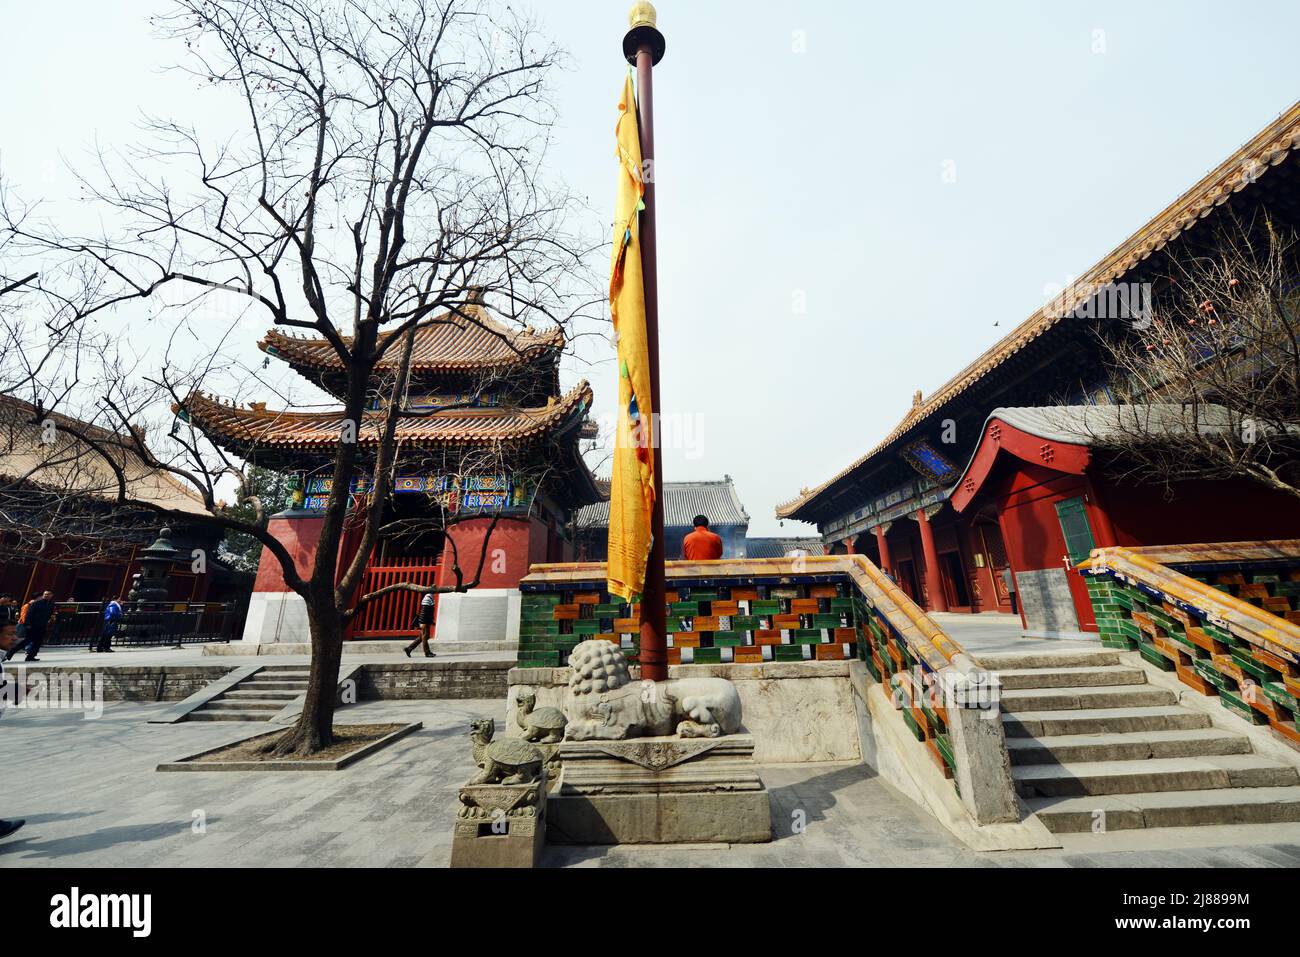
x,y
933,576
849,545
885,563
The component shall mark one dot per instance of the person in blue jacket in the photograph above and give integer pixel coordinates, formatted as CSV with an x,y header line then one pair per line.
x,y
112,619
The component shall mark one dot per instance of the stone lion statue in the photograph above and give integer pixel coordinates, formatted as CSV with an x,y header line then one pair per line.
x,y
604,704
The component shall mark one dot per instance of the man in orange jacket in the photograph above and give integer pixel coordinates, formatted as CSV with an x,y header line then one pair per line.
x,y
702,545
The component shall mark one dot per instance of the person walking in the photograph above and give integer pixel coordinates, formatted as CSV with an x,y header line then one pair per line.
x,y
6,827
702,545
1009,579
33,621
109,626
428,609
8,630
8,622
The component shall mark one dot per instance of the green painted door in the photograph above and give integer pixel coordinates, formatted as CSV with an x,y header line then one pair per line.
x,y
1073,516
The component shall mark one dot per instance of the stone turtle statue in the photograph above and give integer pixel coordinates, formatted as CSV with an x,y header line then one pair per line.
x,y
509,761
603,704
540,725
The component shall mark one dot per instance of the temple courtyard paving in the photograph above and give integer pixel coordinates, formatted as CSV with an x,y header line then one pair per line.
x,y
91,797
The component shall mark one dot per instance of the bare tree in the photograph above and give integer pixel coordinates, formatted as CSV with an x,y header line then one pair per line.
x,y
392,159
1210,380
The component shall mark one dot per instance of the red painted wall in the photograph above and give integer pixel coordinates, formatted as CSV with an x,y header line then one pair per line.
x,y
300,537
1231,511
520,542
1026,497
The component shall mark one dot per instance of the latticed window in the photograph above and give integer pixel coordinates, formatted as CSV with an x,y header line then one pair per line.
x,y
1079,542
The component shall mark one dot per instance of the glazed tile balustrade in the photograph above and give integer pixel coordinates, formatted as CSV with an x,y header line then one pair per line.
x,y
824,608
1224,618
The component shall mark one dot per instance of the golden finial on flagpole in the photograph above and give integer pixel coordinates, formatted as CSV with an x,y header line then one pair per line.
x,y
643,21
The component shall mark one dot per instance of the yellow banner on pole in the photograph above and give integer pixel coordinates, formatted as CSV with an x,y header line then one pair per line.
x,y
632,493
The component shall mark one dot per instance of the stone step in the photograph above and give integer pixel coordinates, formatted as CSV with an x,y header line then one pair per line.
x,y
1074,699
1014,660
297,674
1075,815
259,694
1074,748
243,704
203,715
263,679
1023,679
1152,775
1043,724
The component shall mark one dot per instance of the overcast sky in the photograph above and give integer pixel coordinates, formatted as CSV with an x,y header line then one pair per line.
x,y
851,195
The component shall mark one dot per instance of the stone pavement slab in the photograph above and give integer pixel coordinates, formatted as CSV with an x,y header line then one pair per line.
x,y
997,634
91,798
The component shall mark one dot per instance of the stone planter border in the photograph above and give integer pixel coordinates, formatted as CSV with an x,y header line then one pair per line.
x,y
189,763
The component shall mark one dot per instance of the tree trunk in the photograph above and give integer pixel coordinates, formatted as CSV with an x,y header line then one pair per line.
x,y
315,728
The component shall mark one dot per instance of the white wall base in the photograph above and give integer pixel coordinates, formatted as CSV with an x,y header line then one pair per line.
x,y
514,616
276,617
484,614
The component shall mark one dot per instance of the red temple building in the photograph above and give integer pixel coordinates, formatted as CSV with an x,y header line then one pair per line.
x,y
63,531
989,491
485,434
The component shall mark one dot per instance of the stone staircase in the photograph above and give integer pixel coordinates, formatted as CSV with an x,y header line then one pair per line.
x,y
259,697
1095,748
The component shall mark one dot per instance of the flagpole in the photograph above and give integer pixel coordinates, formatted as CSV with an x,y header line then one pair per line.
x,y
644,47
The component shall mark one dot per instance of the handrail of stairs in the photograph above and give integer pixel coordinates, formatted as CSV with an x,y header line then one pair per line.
x,y
1150,568
1219,644
920,631
957,713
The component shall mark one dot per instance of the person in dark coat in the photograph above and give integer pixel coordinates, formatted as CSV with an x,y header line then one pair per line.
x,y
34,622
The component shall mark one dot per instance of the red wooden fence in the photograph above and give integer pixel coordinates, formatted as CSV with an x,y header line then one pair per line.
x,y
392,615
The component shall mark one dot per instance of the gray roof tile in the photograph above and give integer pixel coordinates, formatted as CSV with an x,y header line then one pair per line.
x,y
682,502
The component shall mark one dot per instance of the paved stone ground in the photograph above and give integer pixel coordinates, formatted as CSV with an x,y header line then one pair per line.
x,y
988,634
91,798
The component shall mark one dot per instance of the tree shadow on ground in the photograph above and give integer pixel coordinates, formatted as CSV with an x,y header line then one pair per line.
x,y
806,800
33,847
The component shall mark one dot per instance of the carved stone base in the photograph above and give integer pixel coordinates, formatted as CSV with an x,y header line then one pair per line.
x,y
500,825
660,791
552,764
